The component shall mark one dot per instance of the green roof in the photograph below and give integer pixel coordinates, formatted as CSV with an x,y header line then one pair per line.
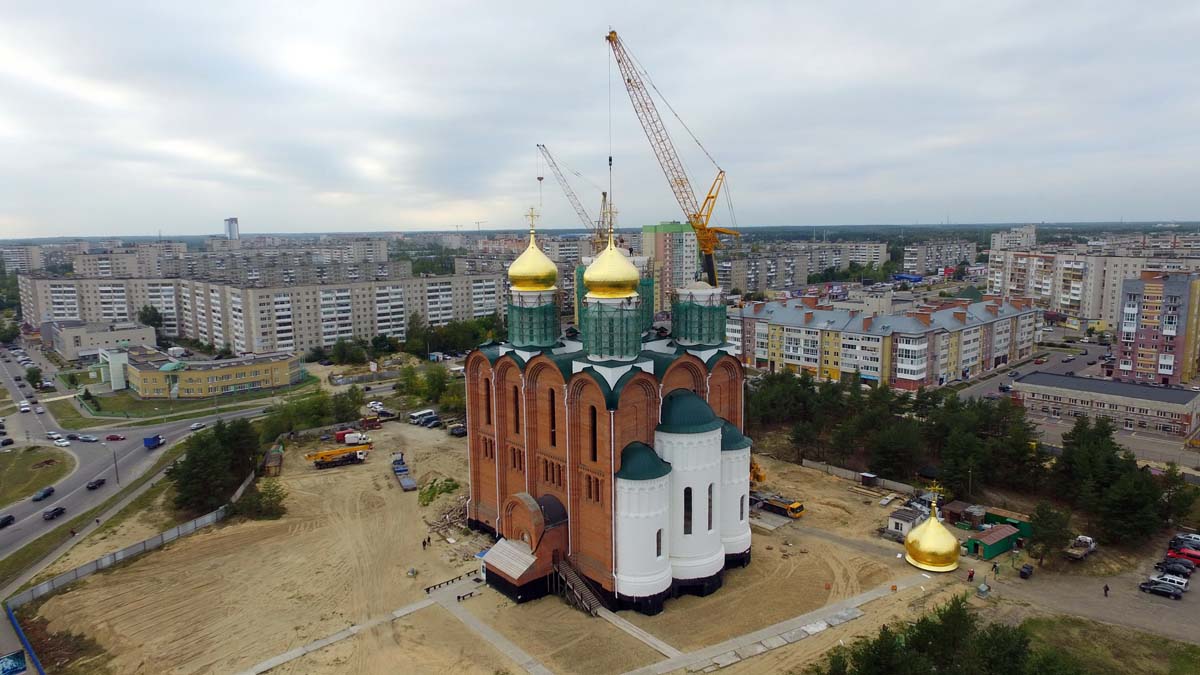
x,y
173,366
640,462
683,412
732,439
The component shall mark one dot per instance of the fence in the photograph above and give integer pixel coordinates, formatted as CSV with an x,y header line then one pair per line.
x,y
338,380
16,627
854,476
129,552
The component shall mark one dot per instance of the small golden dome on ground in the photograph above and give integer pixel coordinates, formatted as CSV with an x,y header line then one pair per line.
x,y
932,547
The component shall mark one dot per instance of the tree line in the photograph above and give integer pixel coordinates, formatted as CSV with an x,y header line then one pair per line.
x,y
968,445
421,339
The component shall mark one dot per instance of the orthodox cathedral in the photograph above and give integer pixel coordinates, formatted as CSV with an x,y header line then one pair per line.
x,y
615,452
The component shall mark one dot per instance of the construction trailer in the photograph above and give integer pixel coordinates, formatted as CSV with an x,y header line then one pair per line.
x,y
1020,521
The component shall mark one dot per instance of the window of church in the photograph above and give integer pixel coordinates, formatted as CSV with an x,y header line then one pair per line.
x,y
742,508
553,419
710,506
658,544
592,418
516,402
487,400
687,510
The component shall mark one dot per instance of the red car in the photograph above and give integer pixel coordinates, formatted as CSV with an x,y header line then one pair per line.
x,y
114,437
1039,361
1185,553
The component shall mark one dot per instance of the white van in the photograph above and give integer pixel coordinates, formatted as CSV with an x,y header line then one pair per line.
x,y
1171,580
419,416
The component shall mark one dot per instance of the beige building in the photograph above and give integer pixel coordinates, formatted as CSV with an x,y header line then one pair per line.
x,y
1023,238
928,257
22,258
763,272
152,374
75,340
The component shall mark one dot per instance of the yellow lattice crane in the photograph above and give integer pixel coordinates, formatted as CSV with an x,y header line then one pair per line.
x,y
698,214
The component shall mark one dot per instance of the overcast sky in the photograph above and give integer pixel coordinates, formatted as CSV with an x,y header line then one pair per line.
x,y
130,118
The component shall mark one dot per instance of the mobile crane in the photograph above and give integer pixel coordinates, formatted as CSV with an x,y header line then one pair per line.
x,y
325,459
697,214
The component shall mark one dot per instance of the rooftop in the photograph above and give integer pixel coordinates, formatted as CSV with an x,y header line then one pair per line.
x,y
1094,386
995,534
146,358
796,313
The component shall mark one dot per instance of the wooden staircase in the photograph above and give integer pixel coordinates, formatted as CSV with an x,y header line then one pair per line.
x,y
576,590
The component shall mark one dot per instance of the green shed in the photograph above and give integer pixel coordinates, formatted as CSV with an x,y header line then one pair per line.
x,y
993,541
1018,520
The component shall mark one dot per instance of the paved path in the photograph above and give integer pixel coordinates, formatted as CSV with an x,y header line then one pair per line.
x,y
447,597
777,635
654,643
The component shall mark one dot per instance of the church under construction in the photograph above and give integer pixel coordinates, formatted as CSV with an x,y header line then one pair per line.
x,y
615,454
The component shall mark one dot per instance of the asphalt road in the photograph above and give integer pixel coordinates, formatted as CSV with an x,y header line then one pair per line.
x,y
93,460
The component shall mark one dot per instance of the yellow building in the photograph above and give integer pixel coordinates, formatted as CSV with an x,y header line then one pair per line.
x,y
152,374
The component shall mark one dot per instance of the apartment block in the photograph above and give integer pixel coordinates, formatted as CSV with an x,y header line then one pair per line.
x,y
1018,238
928,257
763,272
1158,340
264,318
674,259
22,258
927,347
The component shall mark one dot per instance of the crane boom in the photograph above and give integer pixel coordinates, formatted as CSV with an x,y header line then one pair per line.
x,y
698,215
566,188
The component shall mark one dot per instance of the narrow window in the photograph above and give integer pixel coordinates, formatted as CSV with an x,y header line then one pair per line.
x,y
553,419
741,508
516,409
710,503
658,543
487,400
687,510
592,418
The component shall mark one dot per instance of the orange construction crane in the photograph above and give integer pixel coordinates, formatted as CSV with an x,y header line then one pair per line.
x,y
697,214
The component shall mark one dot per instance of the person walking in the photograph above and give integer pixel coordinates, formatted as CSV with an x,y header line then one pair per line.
x,y
971,575
1106,590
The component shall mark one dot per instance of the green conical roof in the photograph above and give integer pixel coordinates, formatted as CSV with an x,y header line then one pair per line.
x,y
640,462
683,412
732,439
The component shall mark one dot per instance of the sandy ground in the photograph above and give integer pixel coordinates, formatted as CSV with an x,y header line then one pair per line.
x,y
829,504
562,638
430,640
782,581
338,557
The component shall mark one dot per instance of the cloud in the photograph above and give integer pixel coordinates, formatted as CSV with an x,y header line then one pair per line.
x,y
124,118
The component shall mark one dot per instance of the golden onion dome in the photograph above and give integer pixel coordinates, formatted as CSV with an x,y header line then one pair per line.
x,y
532,270
932,547
611,274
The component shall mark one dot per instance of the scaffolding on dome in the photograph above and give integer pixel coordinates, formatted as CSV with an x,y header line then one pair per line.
x,y
612,330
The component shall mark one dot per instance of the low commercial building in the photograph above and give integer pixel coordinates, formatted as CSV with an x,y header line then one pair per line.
x,y
1130,406
152,374
77,340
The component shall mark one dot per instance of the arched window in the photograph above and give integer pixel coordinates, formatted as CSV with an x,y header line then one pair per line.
x,y
658,543
687,510
487,400
592,420
710,506
553,419
516,398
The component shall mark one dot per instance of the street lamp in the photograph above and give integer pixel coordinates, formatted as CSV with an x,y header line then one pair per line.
x,y
116,469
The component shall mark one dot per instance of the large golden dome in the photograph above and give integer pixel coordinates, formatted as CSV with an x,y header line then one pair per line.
x,y
932,547
611,275
532,270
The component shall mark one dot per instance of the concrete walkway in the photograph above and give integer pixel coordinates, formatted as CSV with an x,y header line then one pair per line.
x,y
654,643
447,597
785,632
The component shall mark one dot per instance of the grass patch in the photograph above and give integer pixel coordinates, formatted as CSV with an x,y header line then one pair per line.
x,y
1104,648
67,416
20,560
126,403
434,488
21,475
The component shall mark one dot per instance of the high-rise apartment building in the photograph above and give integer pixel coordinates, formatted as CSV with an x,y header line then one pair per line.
x,y
674,255
785,271
1158,341
1023,238
22,258
928,257
231,229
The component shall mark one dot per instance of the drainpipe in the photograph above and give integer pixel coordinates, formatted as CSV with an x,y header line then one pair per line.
x,y
525,422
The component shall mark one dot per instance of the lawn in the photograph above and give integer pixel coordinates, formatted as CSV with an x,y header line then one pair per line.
x,y
68,417
20,477
1104,648
126,403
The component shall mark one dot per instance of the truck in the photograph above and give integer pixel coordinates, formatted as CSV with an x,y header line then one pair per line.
x,y
351,437
398,465
177,352
372,422
1080,548
775,503
325,459
153,442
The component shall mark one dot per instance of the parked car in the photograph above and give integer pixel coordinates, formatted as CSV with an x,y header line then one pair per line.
x,y
1068,359
39,410
43,493
1183,541
197,426
1191,566
325,362
114,437
1174,567
1005,387
432,422
1039,361
51,514
7,441
1164,590
458,431
72,436
63,443
1190,554
1026,571
1013,373
93,484
7,520
1092,362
